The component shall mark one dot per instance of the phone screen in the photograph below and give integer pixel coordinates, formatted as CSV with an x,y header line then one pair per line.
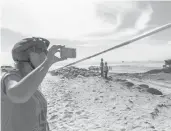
x,y
68,52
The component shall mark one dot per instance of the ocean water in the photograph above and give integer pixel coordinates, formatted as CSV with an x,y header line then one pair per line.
x,y
126,67
136,67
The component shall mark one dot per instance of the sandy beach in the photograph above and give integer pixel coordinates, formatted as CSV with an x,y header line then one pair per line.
x,y
79,100
59,47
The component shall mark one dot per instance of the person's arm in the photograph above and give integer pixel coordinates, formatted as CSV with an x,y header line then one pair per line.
x,y
21,91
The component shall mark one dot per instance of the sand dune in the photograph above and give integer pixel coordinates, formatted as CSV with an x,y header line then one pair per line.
x,y
95,104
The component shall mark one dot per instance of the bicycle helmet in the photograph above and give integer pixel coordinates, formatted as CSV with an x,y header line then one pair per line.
x,y
19,51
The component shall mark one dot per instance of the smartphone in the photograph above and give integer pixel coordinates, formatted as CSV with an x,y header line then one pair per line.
x,y
68,52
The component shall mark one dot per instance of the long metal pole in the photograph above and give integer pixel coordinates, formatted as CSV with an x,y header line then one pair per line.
x,y
153,31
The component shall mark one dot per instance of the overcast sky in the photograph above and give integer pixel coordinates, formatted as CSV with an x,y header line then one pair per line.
x,y
97,24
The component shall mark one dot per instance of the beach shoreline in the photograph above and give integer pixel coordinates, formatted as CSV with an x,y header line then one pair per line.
x,y
83,101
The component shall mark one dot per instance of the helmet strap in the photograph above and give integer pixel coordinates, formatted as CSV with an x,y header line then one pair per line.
x,y
31,64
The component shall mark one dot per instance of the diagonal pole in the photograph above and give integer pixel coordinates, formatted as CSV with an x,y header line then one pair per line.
x,y
151,32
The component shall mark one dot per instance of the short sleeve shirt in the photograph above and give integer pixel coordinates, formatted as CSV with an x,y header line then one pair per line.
x,y
28,116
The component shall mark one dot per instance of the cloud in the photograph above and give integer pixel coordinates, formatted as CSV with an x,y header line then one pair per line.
x,y
93,22
49,18
144,19
78,19
114,13
65,19
127,19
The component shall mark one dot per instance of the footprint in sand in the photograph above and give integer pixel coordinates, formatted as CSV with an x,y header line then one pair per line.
x,y
96,99
79,112
53,117
67,114
94,90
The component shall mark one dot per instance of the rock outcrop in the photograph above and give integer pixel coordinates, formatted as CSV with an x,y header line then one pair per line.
x,y
72,72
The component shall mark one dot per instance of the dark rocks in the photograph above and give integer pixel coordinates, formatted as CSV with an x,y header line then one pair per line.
x,y
129,84
120,80
72,72
167,70
94,68
155,71
144,86
154,91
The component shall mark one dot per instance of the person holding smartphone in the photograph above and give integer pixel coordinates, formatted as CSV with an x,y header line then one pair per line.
x,y
23,106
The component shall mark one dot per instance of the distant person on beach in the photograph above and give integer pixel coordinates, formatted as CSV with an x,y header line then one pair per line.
x,y
106,70
23,106
101,67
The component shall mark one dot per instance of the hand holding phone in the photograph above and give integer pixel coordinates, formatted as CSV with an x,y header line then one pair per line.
x,y
51,58
67,52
